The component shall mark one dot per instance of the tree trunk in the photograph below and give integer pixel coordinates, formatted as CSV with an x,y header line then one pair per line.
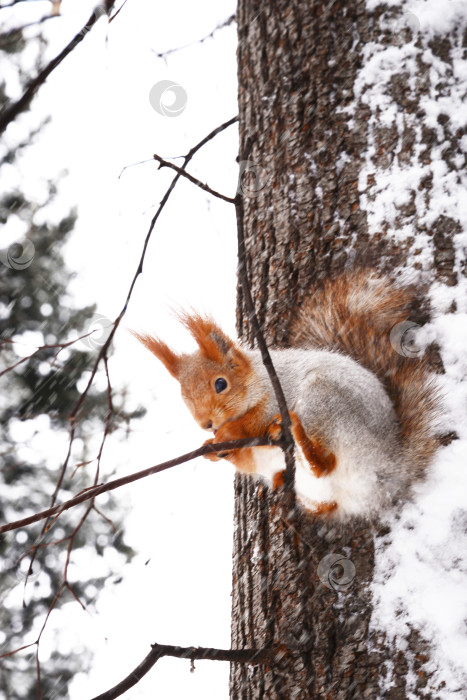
x,y
329,140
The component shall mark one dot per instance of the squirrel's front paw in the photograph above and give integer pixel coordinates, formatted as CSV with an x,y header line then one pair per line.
x,y
214,456
274,429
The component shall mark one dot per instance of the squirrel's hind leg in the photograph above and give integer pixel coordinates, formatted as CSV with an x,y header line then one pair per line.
x,y
320,461
325,508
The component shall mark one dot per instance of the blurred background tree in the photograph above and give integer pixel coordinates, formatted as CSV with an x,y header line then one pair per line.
x,y
36,400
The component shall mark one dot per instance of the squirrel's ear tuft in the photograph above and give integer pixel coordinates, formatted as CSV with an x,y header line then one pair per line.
x,y
169,359
212,342
238,360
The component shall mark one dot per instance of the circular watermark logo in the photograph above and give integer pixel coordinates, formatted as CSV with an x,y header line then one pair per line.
x,y
405,28
336,572
19,255
98,330
20,571
403,338
252,178
168,98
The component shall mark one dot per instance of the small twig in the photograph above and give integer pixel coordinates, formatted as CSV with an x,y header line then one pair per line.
x,y
60,347
139,270
117,12
94,491
20,362
53,509
20,105
16,651
106,518
165,198
133,165
75,595
245,656
223,24
90,494
108,418
194,180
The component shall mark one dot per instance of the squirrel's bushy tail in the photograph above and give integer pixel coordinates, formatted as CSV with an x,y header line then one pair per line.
x,y
365,316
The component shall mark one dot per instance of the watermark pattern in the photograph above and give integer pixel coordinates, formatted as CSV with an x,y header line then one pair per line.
x,y
168,98
336,572
59,689
99,329
20,571
403,338
252,178
19,255
405,28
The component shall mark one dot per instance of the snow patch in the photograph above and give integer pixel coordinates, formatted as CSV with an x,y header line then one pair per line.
x,y
421,566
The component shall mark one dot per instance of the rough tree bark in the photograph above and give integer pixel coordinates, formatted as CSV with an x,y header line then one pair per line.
x,y
321,193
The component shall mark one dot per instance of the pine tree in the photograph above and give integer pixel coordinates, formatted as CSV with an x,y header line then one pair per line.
x,y
36,400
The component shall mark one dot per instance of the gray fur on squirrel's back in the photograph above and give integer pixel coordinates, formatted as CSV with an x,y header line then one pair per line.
x,y
375,406
346,408
354,314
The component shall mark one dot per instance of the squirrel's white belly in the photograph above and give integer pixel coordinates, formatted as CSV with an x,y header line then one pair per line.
x,y
267,462
353,491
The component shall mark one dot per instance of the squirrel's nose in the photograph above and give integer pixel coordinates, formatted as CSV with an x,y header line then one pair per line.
x,y
208,425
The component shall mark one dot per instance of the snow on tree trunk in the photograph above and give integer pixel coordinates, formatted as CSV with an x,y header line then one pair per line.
x,y
358,136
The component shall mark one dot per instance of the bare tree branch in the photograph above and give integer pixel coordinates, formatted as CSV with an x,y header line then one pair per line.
x,y
117,12
163,202
20,105
191,178
245,656
89,495
60,347
103,351
55,510
94,491
223,24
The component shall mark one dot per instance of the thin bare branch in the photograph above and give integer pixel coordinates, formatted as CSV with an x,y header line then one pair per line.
x,y
163,202
208,138
94,491
108,520
54,510
117,12
20,362
15,651
60,347
91,493
245,656
223,24
20,105
139,270
108,418
181,171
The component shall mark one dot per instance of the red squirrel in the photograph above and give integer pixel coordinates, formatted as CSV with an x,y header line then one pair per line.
x,y
362,413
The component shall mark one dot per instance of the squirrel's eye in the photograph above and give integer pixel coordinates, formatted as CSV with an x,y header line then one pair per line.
x,y
220,384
